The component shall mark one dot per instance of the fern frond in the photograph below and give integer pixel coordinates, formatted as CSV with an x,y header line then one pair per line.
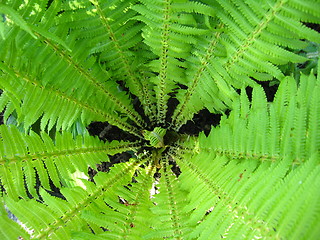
x,y
22,156
128,207
223,208
238,196
252,48
170,40
113,37
296,217
285,127
255,38
59,222
257,152
31,100
10,229
169,219
75,74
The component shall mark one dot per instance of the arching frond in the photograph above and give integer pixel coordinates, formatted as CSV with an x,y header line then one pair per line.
x,y
112,35
71,75
269,131
249,40
59,218
24,157
238,197
259,161
130,207
170,39
169,219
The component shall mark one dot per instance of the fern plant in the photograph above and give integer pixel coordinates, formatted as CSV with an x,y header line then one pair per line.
x,y
147,67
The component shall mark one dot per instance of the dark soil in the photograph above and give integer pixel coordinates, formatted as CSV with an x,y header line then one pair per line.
x,y
105,166
201,122
108,132
270,91
313,26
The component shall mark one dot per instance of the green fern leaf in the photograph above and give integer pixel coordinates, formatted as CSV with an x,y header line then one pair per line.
x,y
23,154
158,33
249,51
169,217
48,220
16,18
9,229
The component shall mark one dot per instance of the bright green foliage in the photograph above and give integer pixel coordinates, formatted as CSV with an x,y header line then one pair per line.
x,y
142,65
23,154
9,229
155,137
262,171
